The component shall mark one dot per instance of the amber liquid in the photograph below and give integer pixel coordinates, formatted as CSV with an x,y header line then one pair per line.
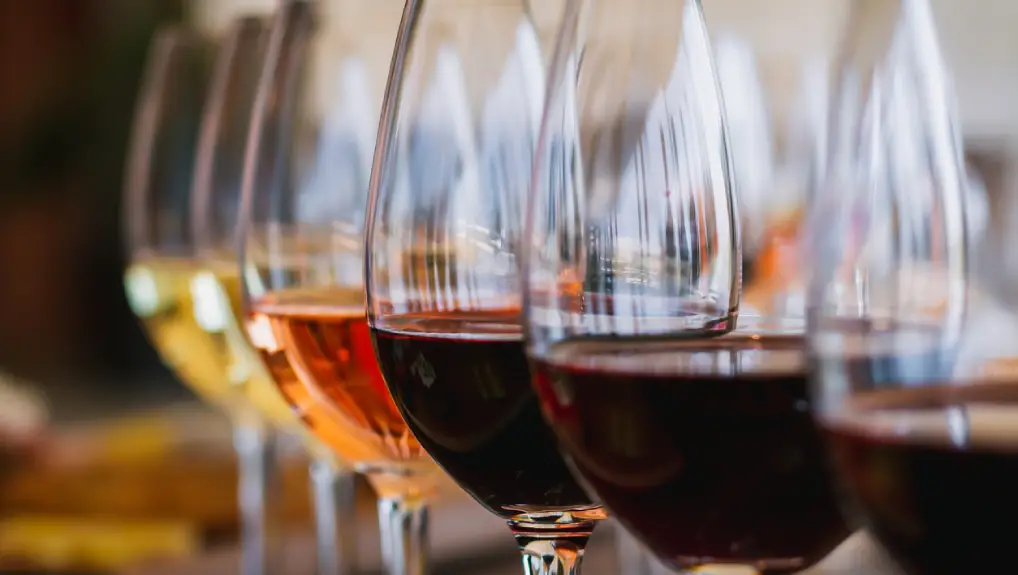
x,y
318,348
463,384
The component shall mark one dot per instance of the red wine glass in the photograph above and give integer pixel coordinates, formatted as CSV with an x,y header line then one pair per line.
x,y
694,432
451,169
914,377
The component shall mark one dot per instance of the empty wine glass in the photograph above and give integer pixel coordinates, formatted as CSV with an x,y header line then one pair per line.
x,y
910,338
166,282
304,190
456,141
216,289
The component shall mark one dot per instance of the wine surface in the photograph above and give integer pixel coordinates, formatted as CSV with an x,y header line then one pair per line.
x,y
317,345
932,474
463,384
705,449
190,310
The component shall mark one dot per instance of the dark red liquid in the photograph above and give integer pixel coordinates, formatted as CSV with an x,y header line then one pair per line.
x,y
705,449
942,506
463,384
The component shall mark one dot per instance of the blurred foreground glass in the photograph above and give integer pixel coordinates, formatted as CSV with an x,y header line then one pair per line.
x,y
456,141
913,344
215,285
694,433
185,315
304,191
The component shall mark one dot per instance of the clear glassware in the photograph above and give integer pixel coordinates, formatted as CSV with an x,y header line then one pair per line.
x,y
634,557
456,140
773,62
304,193
911,305
691,429
165,275
216,283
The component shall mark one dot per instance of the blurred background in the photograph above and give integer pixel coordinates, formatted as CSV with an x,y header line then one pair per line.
x,y
69,75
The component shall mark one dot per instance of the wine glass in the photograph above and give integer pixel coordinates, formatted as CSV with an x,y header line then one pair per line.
x,y
216,289
304,192
690,428
910,335
166,283
455,145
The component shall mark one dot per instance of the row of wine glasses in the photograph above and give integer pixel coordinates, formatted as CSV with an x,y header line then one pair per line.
x,y
202,353
183,196
551,253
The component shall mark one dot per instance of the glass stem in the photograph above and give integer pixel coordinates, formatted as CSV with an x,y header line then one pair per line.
x,y
631,554
403,521
257,496
335,506
552,548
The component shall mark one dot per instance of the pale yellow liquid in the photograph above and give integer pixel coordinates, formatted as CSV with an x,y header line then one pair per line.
x,y
190,311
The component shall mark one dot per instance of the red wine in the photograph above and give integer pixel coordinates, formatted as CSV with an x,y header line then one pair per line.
x,y
705,449
463,384
933,474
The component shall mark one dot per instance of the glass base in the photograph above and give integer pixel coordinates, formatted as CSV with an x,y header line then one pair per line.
x,y
553,543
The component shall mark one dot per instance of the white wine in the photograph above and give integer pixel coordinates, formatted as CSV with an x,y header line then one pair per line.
x,y
190,311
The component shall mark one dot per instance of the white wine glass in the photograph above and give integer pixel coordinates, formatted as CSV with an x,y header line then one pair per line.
x,y
304,193
216,288
164,272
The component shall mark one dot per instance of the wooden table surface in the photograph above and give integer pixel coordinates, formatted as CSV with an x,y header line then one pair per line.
x,y
466,540
493,553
